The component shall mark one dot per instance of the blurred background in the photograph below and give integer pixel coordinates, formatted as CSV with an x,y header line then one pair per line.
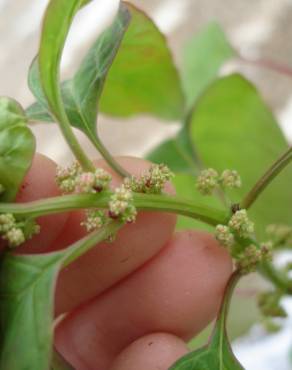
x,y
258,29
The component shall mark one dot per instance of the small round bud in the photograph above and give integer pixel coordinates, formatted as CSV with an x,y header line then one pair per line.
x,y
241,224
247,261
84,183
66,177
207,181
102,179
7,222
67,185
224,236
95,219
230,179
121,205
15,237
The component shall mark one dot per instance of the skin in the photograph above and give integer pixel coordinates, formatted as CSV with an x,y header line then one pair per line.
x,y
132,304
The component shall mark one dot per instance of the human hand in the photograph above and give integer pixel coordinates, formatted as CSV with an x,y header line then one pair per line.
x,y
132,303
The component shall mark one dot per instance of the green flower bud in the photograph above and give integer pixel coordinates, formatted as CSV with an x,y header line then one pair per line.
x,y
15,237
224,235
207,181
95,219
230,179
241,224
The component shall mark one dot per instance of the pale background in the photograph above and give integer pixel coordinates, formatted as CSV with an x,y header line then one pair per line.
x,y
257,28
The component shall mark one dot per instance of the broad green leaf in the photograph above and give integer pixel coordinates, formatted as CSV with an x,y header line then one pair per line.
x,y
217,354
203,56
27,302
17,147
56,25
127,58
233,128
81,94
143,77
26,305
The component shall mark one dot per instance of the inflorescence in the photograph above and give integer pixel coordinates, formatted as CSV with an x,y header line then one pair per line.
x,y
239,227
209,180
121,204
17,232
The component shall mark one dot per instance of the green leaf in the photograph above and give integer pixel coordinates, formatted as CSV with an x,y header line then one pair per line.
x,y
143,77
203,56
17,147
81,94
27,302
217,354
233,128
56,25
127,58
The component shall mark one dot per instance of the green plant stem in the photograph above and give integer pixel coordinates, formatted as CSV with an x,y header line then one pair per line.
x,y
266,179
109,158
222,315
73,143
143,202
85,244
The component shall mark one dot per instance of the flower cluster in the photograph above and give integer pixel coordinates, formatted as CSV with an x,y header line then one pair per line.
x,y
121,205
251,256
95,219
151,181
73,179
15,232
209,180
224,236
238,225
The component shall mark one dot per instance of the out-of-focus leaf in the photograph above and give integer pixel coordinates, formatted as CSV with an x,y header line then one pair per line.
x,y
233,128
143,77
17,147
132,59
203,56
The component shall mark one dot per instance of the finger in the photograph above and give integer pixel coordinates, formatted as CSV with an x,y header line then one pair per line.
x,y
151,352
178,292
39,183
108,263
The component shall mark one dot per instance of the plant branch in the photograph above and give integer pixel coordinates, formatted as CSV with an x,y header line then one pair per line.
x,y
222,315
143,202
109,158
267,178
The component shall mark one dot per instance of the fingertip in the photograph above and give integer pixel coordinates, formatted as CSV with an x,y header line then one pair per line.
x,y
151,352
